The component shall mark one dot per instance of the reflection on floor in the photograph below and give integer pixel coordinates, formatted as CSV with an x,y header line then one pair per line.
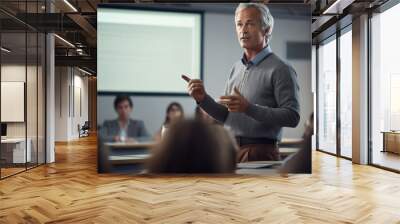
x,y
386,159
10,170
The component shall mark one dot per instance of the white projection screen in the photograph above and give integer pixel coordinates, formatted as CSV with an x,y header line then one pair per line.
x,y
147,50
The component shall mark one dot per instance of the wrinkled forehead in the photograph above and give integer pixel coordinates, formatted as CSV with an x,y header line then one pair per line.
x,y
247,14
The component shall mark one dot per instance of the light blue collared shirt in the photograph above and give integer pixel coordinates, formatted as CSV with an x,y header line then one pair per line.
x,y
258,58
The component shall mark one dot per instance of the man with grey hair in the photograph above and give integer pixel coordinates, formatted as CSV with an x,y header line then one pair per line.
x,y
261,94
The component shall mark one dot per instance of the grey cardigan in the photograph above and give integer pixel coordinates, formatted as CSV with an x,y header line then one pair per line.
x,y
110,128
271,87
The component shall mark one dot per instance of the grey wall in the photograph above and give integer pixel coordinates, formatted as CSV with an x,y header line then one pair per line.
x,y
221,50
66,121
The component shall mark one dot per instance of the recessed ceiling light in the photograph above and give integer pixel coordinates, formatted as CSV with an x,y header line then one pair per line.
x,y
337,7
70,5
5,50
84,71
65,41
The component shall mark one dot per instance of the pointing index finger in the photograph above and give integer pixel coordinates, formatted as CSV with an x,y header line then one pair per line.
x,y
184,77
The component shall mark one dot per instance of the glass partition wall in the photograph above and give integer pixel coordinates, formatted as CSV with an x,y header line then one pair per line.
x,y
22,88
327,95
345,62
334,94
385,89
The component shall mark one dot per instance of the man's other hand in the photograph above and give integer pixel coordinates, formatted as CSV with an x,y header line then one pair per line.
x,y
235,102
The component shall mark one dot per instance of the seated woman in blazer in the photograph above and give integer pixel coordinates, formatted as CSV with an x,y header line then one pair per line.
x,y
123,129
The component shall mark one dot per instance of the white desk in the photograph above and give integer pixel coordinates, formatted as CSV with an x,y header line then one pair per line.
x,y
129,159
129,153
130,145
19,154
291,142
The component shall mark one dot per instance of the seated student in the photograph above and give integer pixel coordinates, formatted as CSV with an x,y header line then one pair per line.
x,y
201,115
193,146
123,129
174,113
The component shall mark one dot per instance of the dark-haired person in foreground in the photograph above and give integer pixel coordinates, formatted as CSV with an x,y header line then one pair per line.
x,y
193,146
201,115
123,129
261,94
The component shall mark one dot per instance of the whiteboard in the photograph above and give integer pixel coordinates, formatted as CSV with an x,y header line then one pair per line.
x,y
12,101
147,51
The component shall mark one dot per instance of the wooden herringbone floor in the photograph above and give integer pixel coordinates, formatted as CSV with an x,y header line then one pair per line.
x,y
70,191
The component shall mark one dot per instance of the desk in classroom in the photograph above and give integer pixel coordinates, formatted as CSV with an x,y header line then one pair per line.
x,y
130,144
13,150
291,142
134,155
126,156
287,151
272,169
